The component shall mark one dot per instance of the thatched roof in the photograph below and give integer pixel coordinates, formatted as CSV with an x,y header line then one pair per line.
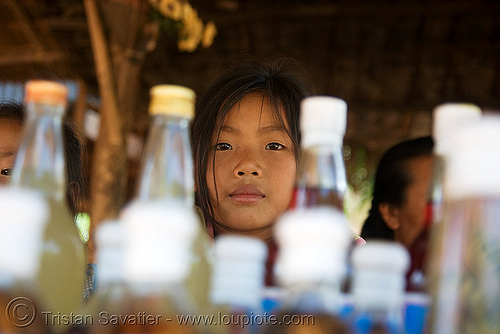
x,y
391,61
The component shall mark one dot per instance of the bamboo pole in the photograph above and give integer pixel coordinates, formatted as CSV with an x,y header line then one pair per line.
x,y
108,178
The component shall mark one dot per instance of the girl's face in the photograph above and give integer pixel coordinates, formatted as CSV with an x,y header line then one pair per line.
x,y
11,134
254,169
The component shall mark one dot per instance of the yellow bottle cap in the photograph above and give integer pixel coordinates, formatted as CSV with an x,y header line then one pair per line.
x,y
49,92
172,100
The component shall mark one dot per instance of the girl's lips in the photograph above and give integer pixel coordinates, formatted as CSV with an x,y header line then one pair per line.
x,y
246,198
246,194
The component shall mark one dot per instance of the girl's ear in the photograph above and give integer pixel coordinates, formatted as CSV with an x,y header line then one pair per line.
x,y
390,215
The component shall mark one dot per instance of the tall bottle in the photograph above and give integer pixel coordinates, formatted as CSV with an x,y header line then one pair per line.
x,y
378,288
167,173
40,167
447,119
158,244
321,177
466,294
21,243
238,283
311,266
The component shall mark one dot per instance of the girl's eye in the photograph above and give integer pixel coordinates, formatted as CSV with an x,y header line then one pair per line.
x,y
6,171
274,146
223,147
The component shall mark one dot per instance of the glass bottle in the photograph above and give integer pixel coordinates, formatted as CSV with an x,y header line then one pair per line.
x,y
447,119
167,172
40,166
238,283
321,178
311,266
21,242
158,249
378,288
465,297
111,297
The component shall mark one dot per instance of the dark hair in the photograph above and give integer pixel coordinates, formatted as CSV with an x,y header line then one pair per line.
x,y
280,85
75,174
391,182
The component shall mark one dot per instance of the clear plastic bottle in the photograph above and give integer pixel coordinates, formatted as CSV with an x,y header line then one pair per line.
x,y
238,283
466,294
312,264
40,167
167,173
378,288
158,248
447,119
21,242
321,176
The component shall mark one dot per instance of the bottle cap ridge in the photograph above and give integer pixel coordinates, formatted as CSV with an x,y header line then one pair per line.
x,y
49,92
447,118
323,113
172,100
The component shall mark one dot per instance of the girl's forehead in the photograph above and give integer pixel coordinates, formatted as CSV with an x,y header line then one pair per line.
x,y
255,105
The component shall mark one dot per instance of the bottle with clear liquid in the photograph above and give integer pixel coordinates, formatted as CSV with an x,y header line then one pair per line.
x,y
158,253
311,266
447,118
237,284
321,176
40,167
465,295
21,243
378,288
167,172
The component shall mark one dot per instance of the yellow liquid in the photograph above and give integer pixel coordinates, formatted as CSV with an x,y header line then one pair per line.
x,y
62,267
199,280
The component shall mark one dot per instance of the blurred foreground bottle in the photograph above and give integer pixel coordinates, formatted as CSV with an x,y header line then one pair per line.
x,y
21,243
447,119
466,293
311,266
159,237
167,173
40,167
237,285
378,288
111,297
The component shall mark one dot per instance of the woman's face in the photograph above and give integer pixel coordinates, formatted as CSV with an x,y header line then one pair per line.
x,y
411,214
254,169
10,139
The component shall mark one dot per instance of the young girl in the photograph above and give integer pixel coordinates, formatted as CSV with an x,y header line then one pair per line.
x,y
245,139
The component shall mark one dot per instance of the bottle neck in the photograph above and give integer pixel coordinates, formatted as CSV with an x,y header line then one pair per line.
x,y
40,160
167,165
321,177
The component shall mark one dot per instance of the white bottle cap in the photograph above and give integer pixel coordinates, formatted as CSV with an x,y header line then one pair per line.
x,y
323,119
239,270
24,215
110,242
313,246
379,270
473,163
448,118
158,241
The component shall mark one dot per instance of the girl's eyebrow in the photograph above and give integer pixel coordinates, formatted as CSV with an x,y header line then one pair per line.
x,y
265,129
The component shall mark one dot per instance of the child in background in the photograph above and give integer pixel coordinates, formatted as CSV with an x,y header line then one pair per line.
x,y
11,127
245,139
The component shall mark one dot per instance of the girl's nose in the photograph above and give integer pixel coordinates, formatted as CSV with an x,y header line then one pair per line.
x,y
248,166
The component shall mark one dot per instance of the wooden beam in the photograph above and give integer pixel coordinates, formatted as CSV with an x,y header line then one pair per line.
x,y
29,58
26,25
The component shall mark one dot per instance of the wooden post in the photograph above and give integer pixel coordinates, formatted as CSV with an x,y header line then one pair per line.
x,y
108,173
